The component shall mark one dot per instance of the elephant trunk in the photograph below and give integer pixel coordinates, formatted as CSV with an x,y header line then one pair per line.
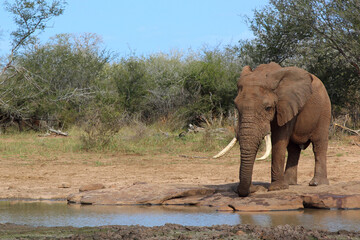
x,y
249,145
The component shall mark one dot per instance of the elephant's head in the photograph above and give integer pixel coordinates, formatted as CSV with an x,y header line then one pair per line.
x,y
269,94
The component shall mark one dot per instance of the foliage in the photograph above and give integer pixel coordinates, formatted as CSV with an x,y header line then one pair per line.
x,y
131,82
100,125
167,73
17,85
211,82
31,16
165,84
73,79
320,36
56,80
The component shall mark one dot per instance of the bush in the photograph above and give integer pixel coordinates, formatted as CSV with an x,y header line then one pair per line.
x,y
100,126
55,80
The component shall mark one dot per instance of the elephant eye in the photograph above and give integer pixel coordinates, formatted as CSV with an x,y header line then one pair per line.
x,y
268,108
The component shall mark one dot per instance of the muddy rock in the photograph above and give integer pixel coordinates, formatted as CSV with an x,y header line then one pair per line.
x,y
329,201
267,203
139,194
224,197
91,187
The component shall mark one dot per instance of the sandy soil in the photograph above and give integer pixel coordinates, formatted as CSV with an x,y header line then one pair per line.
x,y
57,177
42,177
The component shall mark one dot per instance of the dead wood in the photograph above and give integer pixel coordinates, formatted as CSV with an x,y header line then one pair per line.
x,y
348,129
58,132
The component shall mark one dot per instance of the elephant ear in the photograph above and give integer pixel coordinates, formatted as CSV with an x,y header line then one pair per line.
x,y
293,87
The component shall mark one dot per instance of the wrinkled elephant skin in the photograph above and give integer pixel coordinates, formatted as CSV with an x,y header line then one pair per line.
x,y
292,105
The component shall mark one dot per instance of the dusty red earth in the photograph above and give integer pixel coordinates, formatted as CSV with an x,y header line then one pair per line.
x,y
57,177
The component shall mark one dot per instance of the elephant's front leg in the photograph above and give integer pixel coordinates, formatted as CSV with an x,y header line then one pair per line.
x,y
277,164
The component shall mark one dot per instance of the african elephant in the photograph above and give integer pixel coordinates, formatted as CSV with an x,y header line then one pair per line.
x,y
292,105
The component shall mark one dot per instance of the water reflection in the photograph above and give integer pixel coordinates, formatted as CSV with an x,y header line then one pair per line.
x,y
331,220
272,218
61,214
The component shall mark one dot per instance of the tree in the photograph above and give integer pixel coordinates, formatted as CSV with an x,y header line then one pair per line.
x,y
211,83
132,84
277,33
17,84
321,36
166,75
338,23
284,26
66,71
30,16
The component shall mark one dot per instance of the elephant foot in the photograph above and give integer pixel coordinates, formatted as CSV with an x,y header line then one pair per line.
x,y
243,193
290,179
278,185
255,188
318,181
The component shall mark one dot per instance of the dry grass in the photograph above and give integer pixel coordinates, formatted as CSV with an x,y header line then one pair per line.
x,y
133,139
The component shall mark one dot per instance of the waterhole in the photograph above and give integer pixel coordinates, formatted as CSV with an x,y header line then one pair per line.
x,y
52,214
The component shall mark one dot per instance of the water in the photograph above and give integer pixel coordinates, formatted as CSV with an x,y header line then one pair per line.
x,y
60,214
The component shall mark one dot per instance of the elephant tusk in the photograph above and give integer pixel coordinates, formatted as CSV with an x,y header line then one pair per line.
x,y
268,148
226,149
234,140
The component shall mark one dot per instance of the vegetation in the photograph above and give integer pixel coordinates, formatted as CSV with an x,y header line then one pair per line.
x,y
73,80
137,139
317,35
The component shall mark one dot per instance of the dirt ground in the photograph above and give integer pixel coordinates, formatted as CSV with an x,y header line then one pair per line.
x,y
170,231
57,177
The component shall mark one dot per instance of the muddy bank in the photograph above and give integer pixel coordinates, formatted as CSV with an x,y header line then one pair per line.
x,y
170,231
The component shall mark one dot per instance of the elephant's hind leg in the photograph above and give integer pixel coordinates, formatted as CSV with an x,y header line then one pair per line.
x,y
290,175
320,173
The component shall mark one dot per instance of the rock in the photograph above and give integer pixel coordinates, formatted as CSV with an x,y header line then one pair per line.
x,y
240,233
91,187
329,201
223,197
64,185
74,198
141,194
267,203
225,209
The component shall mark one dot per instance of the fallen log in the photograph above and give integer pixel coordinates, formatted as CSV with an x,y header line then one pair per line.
x,y
51,130
58,132
348,129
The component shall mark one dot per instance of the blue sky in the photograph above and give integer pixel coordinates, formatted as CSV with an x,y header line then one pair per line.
x,y
148,26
